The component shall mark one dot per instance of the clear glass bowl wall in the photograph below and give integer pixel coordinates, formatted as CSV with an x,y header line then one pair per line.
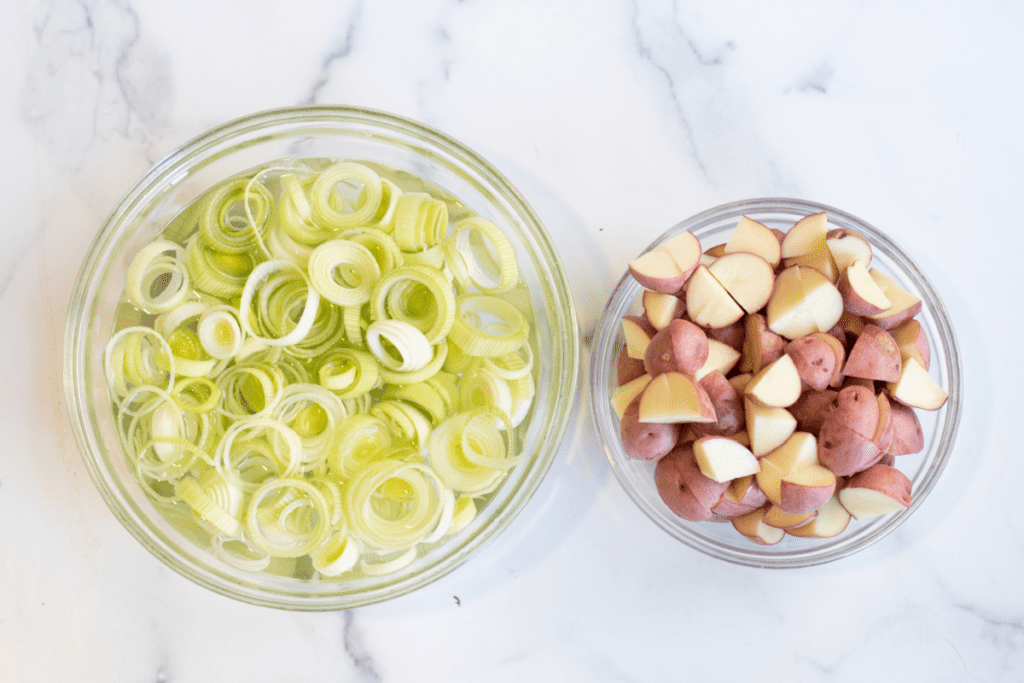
x,y
326,132
720,540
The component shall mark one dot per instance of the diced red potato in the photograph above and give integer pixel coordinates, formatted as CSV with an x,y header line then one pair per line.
x,y
728,405
646,440
666,268
755,238
878,490
742,496
885,433
752,526
761,346
679,347
660,308
874,355
624,394
815,360
730,335
628,368
845,451
907,435
904,304
861,293
675,397
848,247
913,342
857,408
684,488
637,331
811,409
868,384
831,520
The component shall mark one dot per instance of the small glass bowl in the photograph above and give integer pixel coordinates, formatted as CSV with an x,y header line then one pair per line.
x,y
720,540
306,132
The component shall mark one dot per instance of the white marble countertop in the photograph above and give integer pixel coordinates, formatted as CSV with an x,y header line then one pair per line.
x,y
616,119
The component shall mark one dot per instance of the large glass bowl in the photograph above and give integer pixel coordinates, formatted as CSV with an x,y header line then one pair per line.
x,y
720,540
324,132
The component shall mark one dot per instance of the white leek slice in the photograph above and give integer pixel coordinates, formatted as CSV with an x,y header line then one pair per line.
x,y
189,490
451,464
423,374
359,440
480,254
257,450
488,326
419,295
287,305
385,218
326,333
130,360
313,413
328,200
157,279
343,272
299,528
379,243
350,373
406,422
420,221
338,554
398,346
196,394
392,504
220,332
250,390
237,213
480,388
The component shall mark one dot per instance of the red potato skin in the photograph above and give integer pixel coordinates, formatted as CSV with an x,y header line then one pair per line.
x,y
800,501
646,440
680,347
814,359
730,335
628,368
884,479
907,435
844,451
812,409
728,405
874,355
684,488
856,408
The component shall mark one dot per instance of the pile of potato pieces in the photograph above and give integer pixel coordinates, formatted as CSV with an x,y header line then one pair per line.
x,y
774,379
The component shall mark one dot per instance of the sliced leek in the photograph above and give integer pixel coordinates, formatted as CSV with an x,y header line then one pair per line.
x,y
308,383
